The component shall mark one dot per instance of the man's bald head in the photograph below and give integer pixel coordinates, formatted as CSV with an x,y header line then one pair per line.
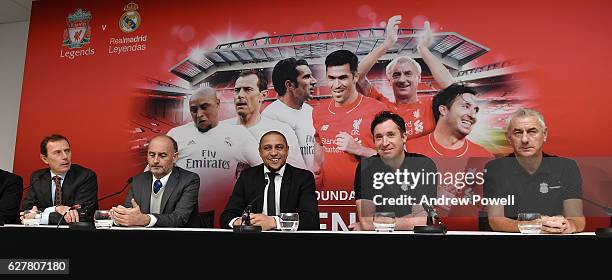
x,y
204,108
206,92
168,141
162,155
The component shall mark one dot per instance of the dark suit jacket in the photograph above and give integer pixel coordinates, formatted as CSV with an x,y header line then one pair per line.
x,y
11,190
80,186
179,206
297,195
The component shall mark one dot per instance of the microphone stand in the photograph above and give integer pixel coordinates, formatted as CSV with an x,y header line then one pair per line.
x,y
32,183
90,225
246,226
76,225
431,227
602,232
80,225
246,222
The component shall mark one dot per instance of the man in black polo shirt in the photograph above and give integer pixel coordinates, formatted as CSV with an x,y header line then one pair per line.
x,y
540,183
373,194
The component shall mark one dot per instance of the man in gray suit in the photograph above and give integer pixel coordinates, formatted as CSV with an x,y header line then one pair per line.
x,y
164,196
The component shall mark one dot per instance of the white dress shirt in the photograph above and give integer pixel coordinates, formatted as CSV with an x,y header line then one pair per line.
x,y
45,215
164,181
278,181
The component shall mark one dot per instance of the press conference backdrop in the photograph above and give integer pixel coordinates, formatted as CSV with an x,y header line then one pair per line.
x,y
112,74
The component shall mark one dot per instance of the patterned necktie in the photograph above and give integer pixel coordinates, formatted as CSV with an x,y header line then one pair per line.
x,y
157,186
57,180
271,195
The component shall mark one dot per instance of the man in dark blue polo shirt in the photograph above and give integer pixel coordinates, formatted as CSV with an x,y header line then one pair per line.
x,y
540,183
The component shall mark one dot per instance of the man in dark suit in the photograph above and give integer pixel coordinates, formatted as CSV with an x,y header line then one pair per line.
x,y
164,196
272,188
11,189
59,189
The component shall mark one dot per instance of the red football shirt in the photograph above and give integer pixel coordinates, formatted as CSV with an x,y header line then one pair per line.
x,y
418,116
338,168
427,145
470,158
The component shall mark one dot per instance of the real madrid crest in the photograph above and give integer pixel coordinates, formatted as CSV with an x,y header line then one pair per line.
x,y
543,188
130,20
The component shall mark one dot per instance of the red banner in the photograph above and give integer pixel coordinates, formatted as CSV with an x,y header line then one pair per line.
x,y
111,74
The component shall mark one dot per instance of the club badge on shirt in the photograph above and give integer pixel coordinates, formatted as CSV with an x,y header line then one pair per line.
x,y
543,187
418,127
356,125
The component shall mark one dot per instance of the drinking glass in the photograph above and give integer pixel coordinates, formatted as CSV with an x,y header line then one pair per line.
x,y
529,223
31,218
103,219
384,221
289,221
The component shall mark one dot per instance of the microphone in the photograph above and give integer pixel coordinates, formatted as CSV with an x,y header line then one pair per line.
x,y
431,212
129,181
246,216
606,209
36,179
431,227
245,225
73,207
601,232
84,209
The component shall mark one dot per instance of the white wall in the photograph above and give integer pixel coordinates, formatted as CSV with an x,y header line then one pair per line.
x,y
13,41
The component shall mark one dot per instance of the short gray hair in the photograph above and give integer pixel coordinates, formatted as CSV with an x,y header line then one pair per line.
x,y
399,59
524,113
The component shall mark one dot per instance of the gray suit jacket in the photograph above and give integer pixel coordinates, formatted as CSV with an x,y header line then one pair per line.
x,y
179,206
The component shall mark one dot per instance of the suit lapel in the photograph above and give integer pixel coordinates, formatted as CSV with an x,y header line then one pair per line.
x,y
285,187
145,198
169,188
45,190
68,185
260,187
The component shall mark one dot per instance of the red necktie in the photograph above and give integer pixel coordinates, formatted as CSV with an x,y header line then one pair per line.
x,y
58,190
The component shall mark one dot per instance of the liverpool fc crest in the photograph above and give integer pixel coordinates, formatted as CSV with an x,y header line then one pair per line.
x,y
130,20
78,32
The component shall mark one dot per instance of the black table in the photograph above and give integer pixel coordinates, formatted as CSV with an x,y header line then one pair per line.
x,y
204,253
